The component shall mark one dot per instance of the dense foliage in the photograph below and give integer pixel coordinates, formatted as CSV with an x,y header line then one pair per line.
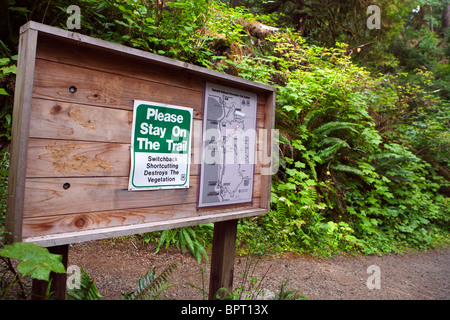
x,y
364,128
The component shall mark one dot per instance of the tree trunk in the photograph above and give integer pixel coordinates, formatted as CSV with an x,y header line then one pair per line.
x,y
446,17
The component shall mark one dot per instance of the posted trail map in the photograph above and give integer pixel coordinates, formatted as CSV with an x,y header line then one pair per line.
x,y
229,142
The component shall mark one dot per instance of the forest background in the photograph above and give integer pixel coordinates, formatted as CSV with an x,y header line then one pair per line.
x,y
363,113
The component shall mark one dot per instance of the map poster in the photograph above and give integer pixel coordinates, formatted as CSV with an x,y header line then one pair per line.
x,y
160,146
229,143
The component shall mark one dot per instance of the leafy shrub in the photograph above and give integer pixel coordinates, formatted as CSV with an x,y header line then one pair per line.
x,y
8,70
344,183
172,28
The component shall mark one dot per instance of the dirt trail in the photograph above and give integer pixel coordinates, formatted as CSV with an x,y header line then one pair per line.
x,y
419,275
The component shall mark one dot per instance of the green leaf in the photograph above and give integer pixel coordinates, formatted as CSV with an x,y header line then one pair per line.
x,y
299,164
4,61
161,240
36,261
189,242
297,144
288,108
287,186
3,92
8,70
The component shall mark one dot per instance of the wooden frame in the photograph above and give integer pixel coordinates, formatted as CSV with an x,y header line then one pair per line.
x,y
71,133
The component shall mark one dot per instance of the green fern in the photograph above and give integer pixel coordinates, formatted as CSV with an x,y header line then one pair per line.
x,y
313,167
284,294
329,127
334,141
150,286
345,168
330,151
191,240
282,208
310,196
187,238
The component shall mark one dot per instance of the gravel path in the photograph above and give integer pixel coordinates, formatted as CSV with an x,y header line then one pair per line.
x,y
423,275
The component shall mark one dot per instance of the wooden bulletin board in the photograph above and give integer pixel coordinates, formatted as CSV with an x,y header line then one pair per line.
x,y
72,124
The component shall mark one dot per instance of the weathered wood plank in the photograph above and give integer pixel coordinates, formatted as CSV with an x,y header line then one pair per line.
x,y
106,89
20,129
96,88
35,226
54,196
47,196
68,158
104,219
96,234
71,121
65,158
72,53
76,54
73,158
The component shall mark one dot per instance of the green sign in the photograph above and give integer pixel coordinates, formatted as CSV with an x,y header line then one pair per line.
x,y
160,146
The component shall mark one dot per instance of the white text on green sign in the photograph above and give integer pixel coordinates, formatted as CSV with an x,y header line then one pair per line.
x,y
160,146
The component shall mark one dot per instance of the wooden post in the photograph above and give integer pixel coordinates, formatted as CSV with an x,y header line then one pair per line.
x,y
222,260
58,280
